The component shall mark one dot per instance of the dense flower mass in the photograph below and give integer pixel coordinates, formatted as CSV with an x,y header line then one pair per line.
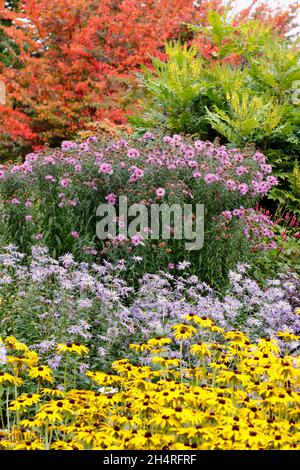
x,y
229,395
53,196
213,163
52,302
150,259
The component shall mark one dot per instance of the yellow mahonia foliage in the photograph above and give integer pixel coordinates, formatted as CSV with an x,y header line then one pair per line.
x,y
231,79
249,117
296,179
174,85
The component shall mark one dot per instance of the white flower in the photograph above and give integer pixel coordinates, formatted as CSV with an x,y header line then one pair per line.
x,y
108,390
2,355
183,265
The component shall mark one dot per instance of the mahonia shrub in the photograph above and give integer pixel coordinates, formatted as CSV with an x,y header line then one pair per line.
x,y
54,195
229,395
46,302
248,93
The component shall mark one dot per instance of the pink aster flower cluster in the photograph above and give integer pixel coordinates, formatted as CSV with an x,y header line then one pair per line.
x,y
258,227
149,169
240,173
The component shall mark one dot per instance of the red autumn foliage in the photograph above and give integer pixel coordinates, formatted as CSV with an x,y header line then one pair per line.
x,y
279,19
76,60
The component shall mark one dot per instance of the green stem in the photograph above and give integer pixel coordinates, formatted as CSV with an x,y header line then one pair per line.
x,y
65,377
181,369
47,436
7,410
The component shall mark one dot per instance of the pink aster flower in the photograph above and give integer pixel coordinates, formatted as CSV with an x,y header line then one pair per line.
x,y
263,188
136,240
111,198
238,212
199,144
243,188
259,157
84,146
65,182
160,192
272,180
119,239
49,178
189,153
171,166
148,136
231,185
138,172
272,245
92,138
106,168
210,178
27,167
70,161
68,145
241,170
177,139
227,215
49,160
15,169
32,157
266,168
239,158
133,153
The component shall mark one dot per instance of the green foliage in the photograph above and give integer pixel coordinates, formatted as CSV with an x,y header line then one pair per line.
x,y
276,69
242,94
175,85
249,118
289,199
286,256
243,39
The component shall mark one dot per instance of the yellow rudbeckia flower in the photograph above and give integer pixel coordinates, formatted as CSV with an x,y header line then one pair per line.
x,y
182,332
73,348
